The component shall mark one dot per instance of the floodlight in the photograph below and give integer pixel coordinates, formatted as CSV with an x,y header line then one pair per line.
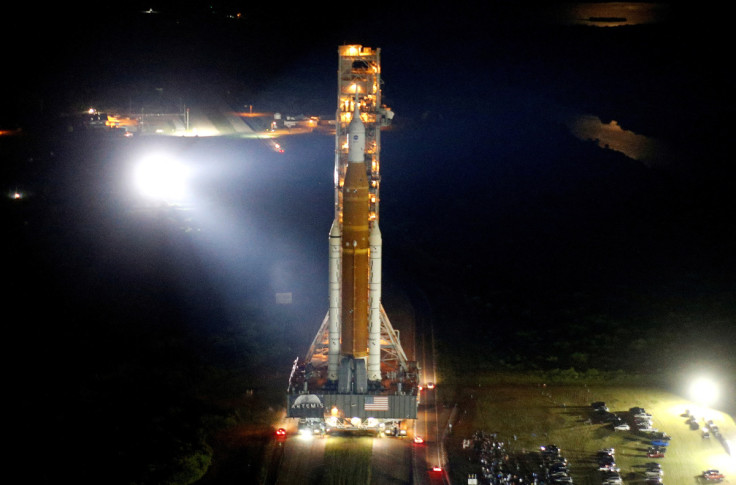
x,y
704,391
161,177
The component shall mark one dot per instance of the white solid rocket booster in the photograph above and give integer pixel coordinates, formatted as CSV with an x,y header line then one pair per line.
x,y
374,309
333,353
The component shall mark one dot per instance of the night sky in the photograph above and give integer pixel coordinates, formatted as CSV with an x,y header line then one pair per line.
x,y
511,226
480,157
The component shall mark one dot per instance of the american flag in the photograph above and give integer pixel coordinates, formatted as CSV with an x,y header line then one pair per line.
x,y
376,403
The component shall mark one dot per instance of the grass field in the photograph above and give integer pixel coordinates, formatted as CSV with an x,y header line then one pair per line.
x,y
527,416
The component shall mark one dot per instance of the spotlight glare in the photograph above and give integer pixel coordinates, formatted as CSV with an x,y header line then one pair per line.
x,y
160,177
704,391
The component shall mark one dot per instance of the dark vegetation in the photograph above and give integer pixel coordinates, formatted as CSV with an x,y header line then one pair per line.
x,y
130,371
590,268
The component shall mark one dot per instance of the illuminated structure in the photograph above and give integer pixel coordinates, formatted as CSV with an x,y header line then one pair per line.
x,y
356,374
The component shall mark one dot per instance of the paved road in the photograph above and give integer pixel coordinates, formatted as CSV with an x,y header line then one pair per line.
x,y
429,454
432,417
391,461
299,461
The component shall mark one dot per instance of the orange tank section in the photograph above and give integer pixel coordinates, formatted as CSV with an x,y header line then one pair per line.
x,y
355,262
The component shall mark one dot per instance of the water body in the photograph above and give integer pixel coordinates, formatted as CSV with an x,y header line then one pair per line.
x,y
612,136
611,14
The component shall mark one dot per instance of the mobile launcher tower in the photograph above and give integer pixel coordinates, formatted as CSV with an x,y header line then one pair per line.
x,y
356,375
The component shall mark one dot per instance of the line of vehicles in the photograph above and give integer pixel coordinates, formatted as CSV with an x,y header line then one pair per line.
x,y
653,473
642,422
640,419
708,428
610,473
555,464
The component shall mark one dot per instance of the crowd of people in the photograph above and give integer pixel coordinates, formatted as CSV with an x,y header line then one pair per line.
x,y
501,466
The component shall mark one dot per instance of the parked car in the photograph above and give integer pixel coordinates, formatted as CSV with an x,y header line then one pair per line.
x,y
660,443
661,435
562,480
713,475
607,463
550,450
609,417
558,470
622,427
655,453
555,460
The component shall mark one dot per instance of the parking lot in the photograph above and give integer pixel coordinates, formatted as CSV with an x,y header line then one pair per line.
x,y
527,417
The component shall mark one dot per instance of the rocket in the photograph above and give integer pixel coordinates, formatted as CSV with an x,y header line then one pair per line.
x,y
355,233
354,278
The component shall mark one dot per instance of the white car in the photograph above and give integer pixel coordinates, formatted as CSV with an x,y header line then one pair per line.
x,y
563,480
622,427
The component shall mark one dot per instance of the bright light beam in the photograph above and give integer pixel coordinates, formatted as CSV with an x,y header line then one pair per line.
x,y
162,178
704,391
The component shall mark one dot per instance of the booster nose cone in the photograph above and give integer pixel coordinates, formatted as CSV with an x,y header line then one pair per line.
x,y
356,136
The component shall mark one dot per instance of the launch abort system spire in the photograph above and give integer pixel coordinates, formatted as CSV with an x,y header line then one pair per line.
x,y
355,374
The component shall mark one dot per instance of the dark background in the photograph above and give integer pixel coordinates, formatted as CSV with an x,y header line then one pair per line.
x,y
140,329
